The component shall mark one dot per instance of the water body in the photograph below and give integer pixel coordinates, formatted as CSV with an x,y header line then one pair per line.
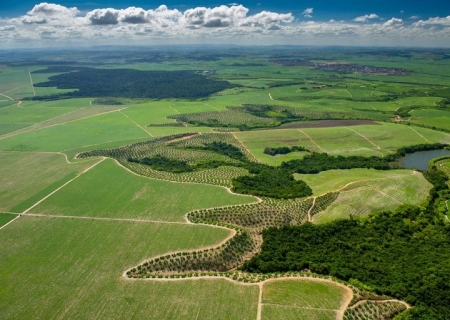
x,y
420,159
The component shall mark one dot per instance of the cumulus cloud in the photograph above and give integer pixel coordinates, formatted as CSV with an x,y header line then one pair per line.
x,y
47,22
7,28
414,17
222,16
393,22
103,16
49,12
366,17
442,22
308,12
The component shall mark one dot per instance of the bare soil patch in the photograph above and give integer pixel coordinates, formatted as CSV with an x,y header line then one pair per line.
x,y
327,124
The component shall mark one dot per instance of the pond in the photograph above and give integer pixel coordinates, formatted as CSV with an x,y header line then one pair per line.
x,y
420,159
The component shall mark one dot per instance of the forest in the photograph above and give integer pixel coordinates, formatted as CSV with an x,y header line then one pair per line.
x,y
404,254
130,83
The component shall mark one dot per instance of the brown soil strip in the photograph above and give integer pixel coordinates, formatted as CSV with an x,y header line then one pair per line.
x,y
327,124
183,138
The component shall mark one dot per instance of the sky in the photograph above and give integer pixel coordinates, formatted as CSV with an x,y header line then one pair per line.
x,y
75,23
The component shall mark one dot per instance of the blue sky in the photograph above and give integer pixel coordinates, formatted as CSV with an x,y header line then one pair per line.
x,y
344,22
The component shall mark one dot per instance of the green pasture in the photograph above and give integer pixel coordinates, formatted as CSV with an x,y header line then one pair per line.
x,y
110,191
15,83
257,141
376,195
6,217
333,180
276,312
100,129
72,269
304,293
362,140
295,299
6,128
70,103
22,115
348,105
417,101
28,177
431,118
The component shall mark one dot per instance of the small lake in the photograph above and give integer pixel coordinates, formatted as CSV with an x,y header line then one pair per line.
x,y
420,159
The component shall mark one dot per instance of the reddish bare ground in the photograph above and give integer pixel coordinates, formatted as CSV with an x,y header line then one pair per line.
x,y
326,124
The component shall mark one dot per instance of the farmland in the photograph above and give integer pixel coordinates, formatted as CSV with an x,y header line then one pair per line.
x,y
148,203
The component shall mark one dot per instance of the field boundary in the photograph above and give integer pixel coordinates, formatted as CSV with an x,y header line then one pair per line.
x,y
53,192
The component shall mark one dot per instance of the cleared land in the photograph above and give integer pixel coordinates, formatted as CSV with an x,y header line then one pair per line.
x,y
114,192
375,195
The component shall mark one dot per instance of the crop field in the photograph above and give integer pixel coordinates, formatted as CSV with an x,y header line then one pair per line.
x,y
303,299
115,193
6,217
332,180
365,140
71,268
98,230
22,184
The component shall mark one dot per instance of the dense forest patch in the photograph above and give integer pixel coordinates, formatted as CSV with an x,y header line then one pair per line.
x,y
130,83
404,254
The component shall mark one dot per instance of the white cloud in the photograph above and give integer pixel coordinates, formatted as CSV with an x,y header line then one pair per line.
x,y
442,22
103,16
46,24
7,28
366,17
308,12
49,13
393,22
414,17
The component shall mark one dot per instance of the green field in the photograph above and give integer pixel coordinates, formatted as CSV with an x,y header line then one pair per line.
x,y
332,180
114,192
296,299
362,140
84,222
6,217
28,177
366,196
72,269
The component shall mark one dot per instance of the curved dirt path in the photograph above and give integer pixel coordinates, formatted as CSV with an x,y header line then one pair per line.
x,y
323,150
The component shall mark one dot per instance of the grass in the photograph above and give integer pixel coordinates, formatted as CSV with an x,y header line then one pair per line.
x,y
6,217
365,197
332,180
99,129
114,192
270,312
362,140
26,177
305,293
72,268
